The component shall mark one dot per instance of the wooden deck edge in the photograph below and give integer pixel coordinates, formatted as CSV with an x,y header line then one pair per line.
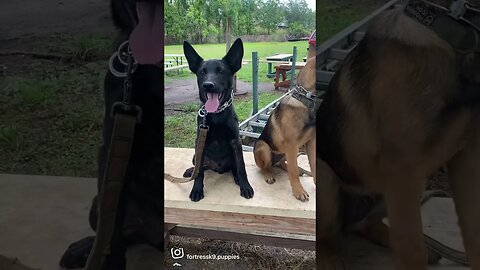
x,y
244,222
267,240
241,209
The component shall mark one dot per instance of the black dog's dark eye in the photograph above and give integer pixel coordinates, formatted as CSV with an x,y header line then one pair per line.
x,y
219,70
202,71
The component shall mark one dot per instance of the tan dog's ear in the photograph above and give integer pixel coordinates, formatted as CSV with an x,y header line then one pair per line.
x,y
306,77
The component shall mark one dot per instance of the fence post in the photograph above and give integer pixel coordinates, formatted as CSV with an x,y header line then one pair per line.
x,y
255,81
292,72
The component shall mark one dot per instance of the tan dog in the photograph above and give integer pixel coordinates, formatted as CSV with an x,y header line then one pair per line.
x,y
404,103
290,127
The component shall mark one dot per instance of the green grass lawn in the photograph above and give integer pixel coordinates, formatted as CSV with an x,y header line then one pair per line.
x,y
334,16
264,49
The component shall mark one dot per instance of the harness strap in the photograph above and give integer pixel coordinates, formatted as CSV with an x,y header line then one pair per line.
x,y
202,138
111,187
450,25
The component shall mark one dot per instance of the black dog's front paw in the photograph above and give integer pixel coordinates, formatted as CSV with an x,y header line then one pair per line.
x,y
246,191
188,172
77,253
196,194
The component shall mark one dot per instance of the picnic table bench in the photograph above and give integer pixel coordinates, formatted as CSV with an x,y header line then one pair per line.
x,y
275,59
178,59
174,62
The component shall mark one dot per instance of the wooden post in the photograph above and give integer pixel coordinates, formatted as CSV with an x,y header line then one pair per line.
x,y
292,71
255,81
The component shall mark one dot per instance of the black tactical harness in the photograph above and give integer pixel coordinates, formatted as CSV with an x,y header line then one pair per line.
x,y
455,25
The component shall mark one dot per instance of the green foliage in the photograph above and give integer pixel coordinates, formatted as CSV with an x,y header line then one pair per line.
x,y
298,30
35,91
206,21
83,47
297,11
269,15
9,136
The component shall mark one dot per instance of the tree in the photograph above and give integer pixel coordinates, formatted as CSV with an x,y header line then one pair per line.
x,y
297,11
269,15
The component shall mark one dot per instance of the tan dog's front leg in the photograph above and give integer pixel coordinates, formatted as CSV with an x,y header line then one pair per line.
x,y
464,176
263,158
406,236
328,223
311,154
292,166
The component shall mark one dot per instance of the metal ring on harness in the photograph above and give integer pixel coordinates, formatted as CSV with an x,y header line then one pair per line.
x,y
121,55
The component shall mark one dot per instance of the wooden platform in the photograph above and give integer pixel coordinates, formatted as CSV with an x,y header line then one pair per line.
x,y
272,209
41,215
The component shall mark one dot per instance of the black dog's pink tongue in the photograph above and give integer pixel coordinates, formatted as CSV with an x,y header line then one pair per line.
x,y
146,38
212,102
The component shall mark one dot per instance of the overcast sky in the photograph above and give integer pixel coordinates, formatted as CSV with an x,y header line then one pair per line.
x,y
311,4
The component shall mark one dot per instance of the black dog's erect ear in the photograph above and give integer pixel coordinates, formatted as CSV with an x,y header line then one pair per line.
x,y
235,55
194,60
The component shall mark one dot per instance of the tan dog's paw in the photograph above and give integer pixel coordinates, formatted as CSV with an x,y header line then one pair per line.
x,y
269,179
300,194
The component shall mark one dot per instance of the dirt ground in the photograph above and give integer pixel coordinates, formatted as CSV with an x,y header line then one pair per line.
x,y
186,90
47,17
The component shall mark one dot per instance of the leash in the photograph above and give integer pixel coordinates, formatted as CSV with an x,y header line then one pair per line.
x,y
126,116
202,138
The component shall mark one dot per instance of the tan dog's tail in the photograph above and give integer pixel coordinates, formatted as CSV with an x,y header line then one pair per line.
x,y
174,179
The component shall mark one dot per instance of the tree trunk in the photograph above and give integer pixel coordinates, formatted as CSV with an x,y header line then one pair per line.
x,y
228,33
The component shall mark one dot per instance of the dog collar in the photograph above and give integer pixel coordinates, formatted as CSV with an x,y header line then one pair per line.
x,y
450,24
304,96
202,112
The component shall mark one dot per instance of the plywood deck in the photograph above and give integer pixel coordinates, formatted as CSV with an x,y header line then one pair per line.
x,y
273,207
223,195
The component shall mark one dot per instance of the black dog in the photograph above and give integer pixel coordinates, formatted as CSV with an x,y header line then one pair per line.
x,y
140,216
223,148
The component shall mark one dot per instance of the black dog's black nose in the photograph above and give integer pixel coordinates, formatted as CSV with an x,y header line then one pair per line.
x,y
208,85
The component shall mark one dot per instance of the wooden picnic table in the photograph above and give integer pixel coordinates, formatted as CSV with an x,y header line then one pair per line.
x,y
282,70
283,57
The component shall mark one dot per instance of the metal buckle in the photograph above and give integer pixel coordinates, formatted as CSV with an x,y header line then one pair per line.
x,y
459,9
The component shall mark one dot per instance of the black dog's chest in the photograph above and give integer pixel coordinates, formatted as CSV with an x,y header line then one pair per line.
x,y
218,150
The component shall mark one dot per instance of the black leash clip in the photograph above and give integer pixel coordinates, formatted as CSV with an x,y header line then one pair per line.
x,y
121,55
126,105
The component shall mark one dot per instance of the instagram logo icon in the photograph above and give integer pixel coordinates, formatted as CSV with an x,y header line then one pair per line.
x,y
177,253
